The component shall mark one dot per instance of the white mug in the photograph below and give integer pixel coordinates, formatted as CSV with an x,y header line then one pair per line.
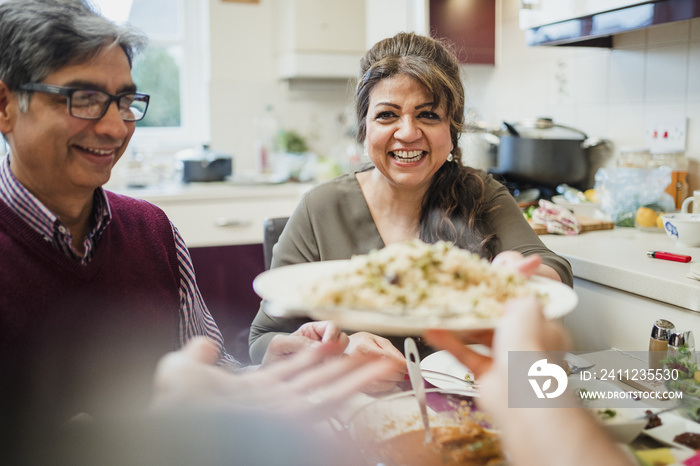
x,y
695,199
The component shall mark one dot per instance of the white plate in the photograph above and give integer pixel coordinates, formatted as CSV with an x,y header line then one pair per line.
x,y
443,362
282,288
576,361
673,424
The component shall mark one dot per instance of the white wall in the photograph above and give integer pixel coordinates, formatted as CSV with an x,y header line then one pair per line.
x,y
244,82
606,93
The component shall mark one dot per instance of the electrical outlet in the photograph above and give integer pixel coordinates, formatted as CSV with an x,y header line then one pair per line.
x,y
666,134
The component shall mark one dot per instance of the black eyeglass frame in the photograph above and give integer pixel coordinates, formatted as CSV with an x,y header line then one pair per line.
x,y
69,91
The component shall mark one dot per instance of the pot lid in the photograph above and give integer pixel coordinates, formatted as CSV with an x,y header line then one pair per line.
x,y
201,153
545,128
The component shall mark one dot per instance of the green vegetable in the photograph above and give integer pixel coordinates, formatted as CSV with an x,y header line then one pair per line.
x,y
686,365
528,212
292,142
626,219
684,361
606,414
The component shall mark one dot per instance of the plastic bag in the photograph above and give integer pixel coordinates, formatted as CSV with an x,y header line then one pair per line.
x,y
622,190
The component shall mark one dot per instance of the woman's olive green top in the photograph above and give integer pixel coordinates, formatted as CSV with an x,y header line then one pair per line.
x,y
333,221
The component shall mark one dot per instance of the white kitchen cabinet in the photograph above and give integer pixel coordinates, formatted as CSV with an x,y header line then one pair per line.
x,y
608,317
385,18
221,222
320,39
221,214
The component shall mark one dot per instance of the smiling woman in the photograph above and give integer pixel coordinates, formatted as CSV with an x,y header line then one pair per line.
x,y
408,137
410,113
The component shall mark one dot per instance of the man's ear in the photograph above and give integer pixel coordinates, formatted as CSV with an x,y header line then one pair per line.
x,y
8,108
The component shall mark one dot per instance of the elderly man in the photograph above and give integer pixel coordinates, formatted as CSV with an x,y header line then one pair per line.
x,y
94,287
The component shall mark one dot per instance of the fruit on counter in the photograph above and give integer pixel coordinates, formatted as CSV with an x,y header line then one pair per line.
x,y
591,195
647,217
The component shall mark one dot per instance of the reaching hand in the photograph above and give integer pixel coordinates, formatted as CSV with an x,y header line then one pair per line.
x,y
309,384
309,335
526,265
367,344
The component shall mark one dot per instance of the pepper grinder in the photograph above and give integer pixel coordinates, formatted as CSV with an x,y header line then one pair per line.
x,y
681,339
658,343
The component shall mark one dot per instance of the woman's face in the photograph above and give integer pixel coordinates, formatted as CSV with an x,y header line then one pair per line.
x,y
407,140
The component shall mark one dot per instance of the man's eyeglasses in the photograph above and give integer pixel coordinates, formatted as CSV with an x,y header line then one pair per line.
x,y
92,105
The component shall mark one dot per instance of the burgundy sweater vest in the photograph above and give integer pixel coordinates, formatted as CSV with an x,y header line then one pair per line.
x,y
77,338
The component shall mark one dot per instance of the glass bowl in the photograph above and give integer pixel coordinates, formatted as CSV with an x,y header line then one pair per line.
x,y
690,401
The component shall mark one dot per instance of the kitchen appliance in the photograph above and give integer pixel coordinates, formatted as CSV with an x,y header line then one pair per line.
x,y
201,165
542,154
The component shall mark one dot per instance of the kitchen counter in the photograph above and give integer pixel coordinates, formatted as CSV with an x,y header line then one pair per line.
x,y
618,259
196,192
222,213
622,292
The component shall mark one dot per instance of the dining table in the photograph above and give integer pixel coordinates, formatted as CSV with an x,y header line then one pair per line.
x,y
598,365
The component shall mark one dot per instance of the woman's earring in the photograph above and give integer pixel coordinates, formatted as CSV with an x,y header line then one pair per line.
x,y
450,158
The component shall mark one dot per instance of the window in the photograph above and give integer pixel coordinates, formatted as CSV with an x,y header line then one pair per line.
x,y
173,69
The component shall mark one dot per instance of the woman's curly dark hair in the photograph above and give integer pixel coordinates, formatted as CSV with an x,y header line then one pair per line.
x,y
454,207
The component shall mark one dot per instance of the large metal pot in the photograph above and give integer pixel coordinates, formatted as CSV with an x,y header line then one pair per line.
x,y
542,152
204,165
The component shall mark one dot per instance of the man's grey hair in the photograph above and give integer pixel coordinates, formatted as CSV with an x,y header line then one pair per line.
x,y
40,37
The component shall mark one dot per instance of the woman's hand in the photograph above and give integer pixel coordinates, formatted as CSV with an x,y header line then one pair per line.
x,y
367,344
526,265
309,335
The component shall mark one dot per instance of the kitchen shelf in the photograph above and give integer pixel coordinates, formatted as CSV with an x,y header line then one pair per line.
x,y
597,30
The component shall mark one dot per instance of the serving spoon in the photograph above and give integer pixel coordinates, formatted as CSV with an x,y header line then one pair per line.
x,y
417,383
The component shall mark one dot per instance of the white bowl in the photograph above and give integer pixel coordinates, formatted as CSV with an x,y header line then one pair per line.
x,y
626,425
684,228
584,209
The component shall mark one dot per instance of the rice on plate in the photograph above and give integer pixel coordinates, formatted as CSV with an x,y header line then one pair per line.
x,y
420,279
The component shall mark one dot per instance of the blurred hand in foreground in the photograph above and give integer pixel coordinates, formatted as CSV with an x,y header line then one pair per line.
x,y
310,384
557,433
523,328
